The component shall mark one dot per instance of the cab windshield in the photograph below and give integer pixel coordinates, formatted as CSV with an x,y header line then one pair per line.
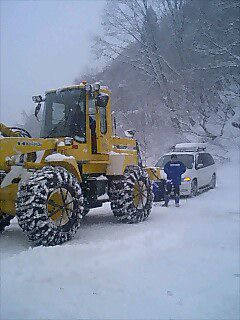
x,y
187,159
65,114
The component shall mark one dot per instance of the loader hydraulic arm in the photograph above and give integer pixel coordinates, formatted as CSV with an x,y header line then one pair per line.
x,y
7,132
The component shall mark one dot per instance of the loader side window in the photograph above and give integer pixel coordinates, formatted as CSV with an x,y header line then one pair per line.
x,y
103,120
92,113
92,107
58,112
207,159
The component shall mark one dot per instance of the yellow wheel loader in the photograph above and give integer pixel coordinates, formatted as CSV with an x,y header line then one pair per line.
x,y
77,164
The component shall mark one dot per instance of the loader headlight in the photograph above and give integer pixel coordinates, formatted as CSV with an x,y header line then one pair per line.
x,y
88,88
68,141
96,86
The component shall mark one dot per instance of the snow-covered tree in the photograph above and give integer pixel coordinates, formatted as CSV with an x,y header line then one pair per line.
x,y
175,61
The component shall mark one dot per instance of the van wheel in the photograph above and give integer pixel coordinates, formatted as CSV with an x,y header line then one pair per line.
x,y
213,181
194,188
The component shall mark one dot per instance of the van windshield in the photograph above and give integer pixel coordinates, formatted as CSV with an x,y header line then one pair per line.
x,y
187,159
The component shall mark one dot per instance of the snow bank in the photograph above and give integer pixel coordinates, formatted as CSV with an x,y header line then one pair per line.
x,y
181,263
57,157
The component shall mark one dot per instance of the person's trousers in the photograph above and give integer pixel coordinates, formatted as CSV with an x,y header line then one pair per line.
x,y
176,189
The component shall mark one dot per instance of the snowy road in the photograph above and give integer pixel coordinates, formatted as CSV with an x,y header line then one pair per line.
x,y
182,263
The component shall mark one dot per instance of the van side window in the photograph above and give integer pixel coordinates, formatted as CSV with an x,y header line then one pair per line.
x,y
208,159
200,159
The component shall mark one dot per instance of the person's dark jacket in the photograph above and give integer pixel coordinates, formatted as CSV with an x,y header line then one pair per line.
x,y
174,170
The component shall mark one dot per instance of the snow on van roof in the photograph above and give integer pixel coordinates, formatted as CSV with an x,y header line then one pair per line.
x,y
189,146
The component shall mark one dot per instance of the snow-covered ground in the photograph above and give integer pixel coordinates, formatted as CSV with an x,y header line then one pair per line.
x,y
182,263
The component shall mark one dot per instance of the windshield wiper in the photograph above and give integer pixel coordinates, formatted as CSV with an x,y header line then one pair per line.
x,y
55,128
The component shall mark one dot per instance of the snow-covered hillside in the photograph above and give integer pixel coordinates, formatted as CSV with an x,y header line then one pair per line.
x,y
182,263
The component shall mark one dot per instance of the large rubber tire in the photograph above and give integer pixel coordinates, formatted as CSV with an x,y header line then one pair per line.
x,y
49,206
122,195
5,221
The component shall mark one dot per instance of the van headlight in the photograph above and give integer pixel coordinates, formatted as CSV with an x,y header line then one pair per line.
x,y
186,179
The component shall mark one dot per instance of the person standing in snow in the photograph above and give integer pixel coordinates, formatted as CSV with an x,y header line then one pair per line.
x,y
173,169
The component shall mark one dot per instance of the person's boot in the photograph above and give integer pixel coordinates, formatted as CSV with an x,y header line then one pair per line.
x,y
177,201
166,199
165,204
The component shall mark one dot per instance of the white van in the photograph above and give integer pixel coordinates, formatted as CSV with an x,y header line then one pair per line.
x,y
201,169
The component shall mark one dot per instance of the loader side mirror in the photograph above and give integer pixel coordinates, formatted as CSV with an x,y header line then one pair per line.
x,y
37,109
102,100
37,99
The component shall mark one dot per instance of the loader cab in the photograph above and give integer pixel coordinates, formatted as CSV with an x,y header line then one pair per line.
x,y
79,112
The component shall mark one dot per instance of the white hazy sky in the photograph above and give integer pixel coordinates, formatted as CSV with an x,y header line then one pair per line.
x,y
44,44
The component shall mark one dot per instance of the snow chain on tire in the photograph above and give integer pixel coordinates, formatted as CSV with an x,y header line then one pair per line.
x,y
122,195
34,199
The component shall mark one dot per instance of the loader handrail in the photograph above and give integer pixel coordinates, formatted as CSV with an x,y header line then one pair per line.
x,y
7,132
